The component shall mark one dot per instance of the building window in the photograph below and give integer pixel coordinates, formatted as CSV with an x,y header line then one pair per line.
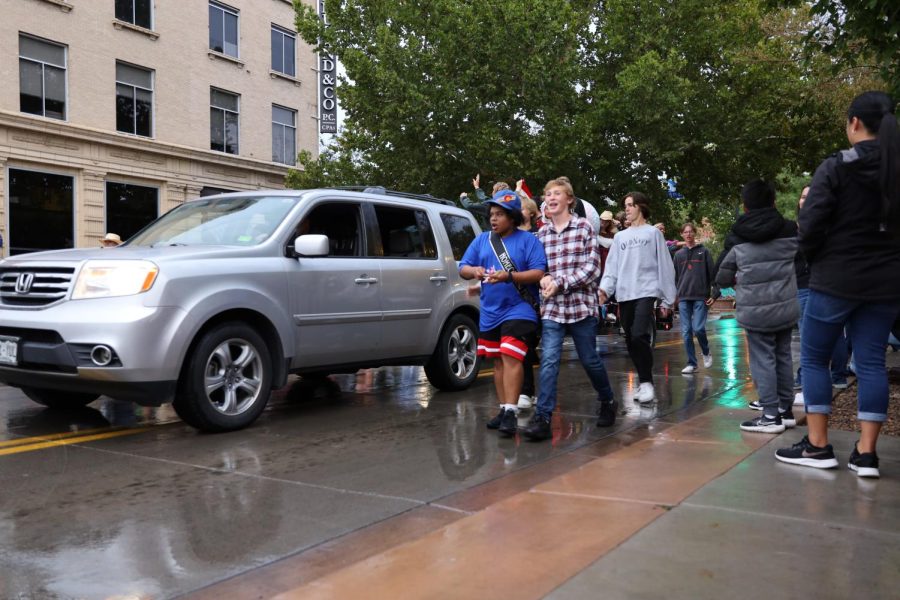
x,y
283,44
41,211
136,12
42,78
129,208
134,100
224,123
223,29
284,135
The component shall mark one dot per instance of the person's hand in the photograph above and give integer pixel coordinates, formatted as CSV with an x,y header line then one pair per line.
x,y
519,185
545,282
474,289
494,276
478,273
476,183
550,290
664,312
710,301
603,297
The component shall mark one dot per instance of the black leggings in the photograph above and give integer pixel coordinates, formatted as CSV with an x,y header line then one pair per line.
x,y
638,321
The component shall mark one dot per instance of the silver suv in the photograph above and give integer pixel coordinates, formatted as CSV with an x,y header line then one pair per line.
x,y
212,305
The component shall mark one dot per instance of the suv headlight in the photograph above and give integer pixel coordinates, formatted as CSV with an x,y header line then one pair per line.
x,y
106,278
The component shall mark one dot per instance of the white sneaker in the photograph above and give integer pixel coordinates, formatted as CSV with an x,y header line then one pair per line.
x,y
525,402
707,360
688,370
645,393
798,399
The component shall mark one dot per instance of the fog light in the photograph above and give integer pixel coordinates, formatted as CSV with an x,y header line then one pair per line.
x,y
101,355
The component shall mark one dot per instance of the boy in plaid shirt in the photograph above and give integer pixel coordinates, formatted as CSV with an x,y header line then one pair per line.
x,y
570,305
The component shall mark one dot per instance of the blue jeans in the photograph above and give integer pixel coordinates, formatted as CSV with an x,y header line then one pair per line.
x,y
839,356
584,334
693,323
868,325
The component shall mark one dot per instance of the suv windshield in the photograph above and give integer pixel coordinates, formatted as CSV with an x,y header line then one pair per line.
x,y
217,222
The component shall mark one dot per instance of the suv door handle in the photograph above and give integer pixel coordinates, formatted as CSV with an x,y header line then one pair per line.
x,y
362,279
438,278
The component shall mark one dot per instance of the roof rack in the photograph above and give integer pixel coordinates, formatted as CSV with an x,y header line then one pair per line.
x,y
378,189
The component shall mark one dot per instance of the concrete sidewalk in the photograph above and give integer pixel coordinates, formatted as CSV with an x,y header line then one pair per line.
x,y
690,509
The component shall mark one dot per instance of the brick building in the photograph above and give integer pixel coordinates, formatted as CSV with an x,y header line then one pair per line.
x,y
115,111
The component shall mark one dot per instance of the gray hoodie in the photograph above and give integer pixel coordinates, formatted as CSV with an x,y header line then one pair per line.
x,y
639,266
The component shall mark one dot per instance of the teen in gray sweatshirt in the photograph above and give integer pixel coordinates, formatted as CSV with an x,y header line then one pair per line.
x,y
639,272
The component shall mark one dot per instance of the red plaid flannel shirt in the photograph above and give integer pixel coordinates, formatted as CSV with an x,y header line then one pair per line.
x,y
573,260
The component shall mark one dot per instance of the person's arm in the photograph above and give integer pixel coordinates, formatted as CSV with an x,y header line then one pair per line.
x,y
604,242
665,273
588,270
813,220
610,274
725,277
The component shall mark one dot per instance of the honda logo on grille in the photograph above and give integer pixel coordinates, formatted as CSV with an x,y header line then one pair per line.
x,y
24,282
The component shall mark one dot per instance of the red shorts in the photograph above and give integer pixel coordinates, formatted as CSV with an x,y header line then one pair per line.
x,y
512,338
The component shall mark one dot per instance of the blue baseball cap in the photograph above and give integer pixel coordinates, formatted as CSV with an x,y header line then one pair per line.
x,y
506,199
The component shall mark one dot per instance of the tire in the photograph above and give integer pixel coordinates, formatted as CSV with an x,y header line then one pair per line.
x,y
233,359
454,364
59,400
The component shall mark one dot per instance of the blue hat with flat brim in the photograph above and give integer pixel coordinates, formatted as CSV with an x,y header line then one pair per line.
x,y
506,199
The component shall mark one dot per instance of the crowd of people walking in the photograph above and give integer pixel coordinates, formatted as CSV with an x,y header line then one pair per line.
x,y
547,271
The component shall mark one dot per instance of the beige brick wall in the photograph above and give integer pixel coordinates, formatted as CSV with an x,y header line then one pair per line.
x,y
177,158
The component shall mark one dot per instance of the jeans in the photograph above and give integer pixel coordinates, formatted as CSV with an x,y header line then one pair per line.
x,y
771,366
841,348
868,325
584,334
693,323
638,321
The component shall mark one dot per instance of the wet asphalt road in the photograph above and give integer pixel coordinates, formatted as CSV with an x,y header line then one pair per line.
x,y
116,499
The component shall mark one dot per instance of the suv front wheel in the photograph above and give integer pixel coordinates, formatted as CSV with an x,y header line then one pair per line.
x,y
453,366
226,380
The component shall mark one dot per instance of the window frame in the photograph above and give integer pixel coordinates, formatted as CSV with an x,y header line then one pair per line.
x,y
133,20
286,33
293,159
134,88
43,64
224,8
237,150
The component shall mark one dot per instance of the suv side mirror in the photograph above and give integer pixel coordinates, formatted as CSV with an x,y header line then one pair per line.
x,y
311,245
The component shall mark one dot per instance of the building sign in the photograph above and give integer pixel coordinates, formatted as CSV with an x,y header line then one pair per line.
x,y
327,84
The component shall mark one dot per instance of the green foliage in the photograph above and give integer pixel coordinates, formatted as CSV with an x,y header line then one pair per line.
x,y
611,93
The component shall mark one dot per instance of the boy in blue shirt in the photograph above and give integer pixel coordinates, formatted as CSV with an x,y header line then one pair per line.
x,y
509,263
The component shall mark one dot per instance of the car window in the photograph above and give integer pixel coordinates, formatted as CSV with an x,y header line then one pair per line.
x,y
340,221
460,231
405,232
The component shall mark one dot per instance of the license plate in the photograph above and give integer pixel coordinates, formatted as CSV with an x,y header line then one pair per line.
x,y
9,350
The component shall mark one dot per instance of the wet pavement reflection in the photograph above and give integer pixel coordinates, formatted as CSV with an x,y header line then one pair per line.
x,y
120,499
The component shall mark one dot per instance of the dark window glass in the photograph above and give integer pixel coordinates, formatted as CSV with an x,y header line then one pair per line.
x,y
231,133
460,232
340,222
137,12
143,112
124,108
42,78
134,100
289,55
224,121
404,233
41,214
130,207
54,92
283,51
223,29
277,54
31,87
216,129
125,10
284,133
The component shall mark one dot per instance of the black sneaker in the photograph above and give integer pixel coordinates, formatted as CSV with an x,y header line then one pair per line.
x,y
538,429
805,454
755,405
764,424
495,422
509,423
787,417
865,464
606,415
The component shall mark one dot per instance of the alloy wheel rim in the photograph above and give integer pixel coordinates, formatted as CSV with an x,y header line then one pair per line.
x,y
233,377
462,353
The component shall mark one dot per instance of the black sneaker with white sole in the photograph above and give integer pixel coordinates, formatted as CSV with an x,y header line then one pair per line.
x,y
865,464
764,424
755,405
803,453
509,423
787,417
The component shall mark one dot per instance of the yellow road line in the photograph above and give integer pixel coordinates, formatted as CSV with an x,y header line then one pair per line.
x,y
71,440
25,441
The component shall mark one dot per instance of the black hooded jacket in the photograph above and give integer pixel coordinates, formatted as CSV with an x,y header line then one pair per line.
x,y
841,229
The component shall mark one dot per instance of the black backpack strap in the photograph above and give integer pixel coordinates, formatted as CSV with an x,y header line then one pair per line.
x,y
508,265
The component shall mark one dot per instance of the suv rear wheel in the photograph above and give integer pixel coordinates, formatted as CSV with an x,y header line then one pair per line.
x,y
226,380
453,366
59,399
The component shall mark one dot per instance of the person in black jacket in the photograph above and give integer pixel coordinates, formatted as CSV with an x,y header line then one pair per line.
x,y
850,233
760,265
693,280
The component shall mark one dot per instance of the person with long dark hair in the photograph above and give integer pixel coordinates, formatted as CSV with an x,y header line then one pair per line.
x,y
850,233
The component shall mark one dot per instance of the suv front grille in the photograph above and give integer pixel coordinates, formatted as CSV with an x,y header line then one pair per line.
x,y
34,286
